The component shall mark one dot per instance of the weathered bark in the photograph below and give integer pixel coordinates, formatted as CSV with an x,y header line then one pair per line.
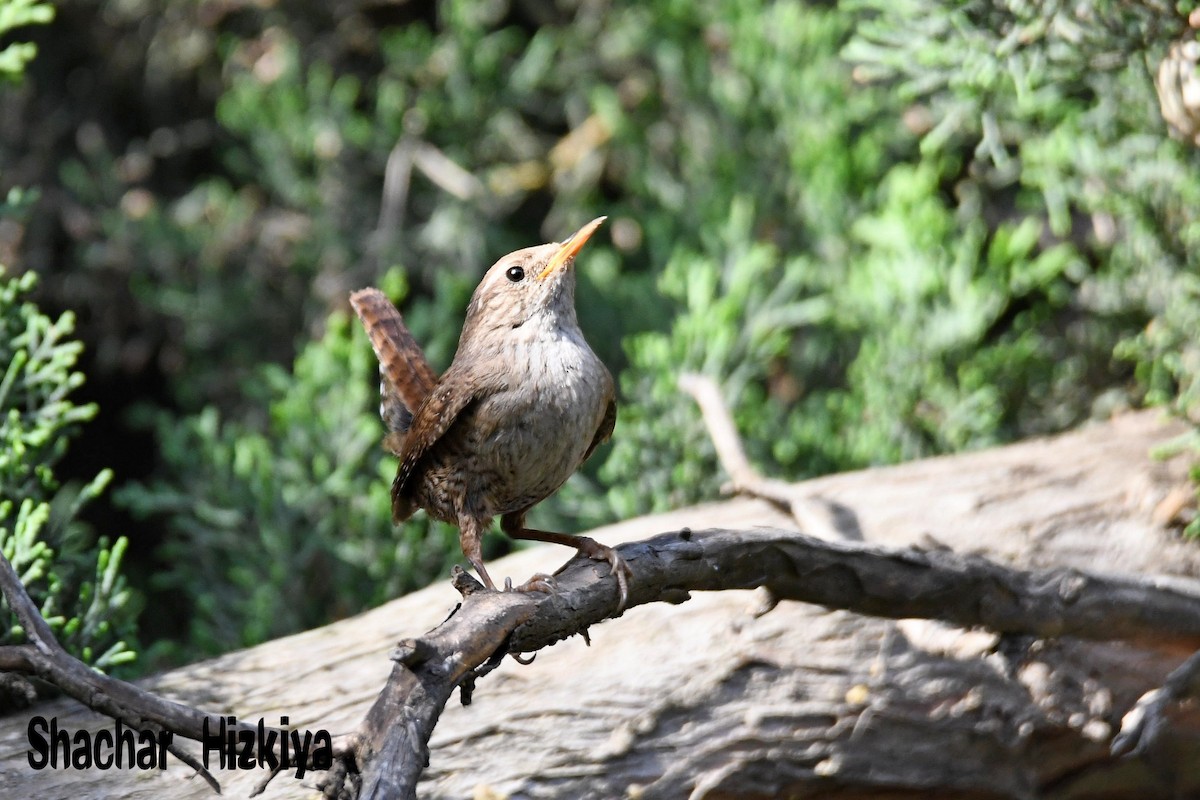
x,y
709,700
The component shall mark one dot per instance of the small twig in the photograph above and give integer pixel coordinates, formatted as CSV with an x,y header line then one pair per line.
x,y
261,786
721,430
46,658
1147,720
445,173
811,514
193,762
397,180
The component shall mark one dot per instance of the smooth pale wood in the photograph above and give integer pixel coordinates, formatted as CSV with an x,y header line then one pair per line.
x,y
706,700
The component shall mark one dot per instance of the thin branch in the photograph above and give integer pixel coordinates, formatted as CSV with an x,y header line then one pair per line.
x,y
44,657
721,430
895,583
445,173
810,513
397,179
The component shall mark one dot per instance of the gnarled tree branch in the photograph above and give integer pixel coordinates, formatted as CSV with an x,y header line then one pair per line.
x,y
1002,493
135,707
391,746
880,581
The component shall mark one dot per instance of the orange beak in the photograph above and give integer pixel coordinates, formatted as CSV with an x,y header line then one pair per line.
x,y
570,247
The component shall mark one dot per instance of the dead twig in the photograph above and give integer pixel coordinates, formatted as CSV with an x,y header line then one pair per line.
x,y
812,514
44,657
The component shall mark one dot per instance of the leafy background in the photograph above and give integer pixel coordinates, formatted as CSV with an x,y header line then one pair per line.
x,y
888,230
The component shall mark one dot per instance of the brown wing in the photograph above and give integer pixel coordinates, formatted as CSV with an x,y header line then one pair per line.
x,y
431,421
605,430
406,379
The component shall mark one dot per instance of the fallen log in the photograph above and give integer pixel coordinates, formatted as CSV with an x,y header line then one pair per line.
x,y
711,699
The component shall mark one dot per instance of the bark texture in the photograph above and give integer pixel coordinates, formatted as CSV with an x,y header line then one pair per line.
x,y
707,699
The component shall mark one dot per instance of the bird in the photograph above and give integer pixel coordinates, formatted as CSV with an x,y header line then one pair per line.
x,y
524,403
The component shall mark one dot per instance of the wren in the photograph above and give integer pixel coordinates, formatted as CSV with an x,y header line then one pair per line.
x,y
524,403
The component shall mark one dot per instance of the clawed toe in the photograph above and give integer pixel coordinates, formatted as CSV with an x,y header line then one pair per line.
x,y
541,582
620,570
514,526
623,573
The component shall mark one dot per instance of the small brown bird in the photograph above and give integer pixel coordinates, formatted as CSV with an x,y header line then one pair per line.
x,y
522,406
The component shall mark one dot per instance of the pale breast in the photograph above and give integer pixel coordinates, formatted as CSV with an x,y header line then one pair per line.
x,y
523,442
547,423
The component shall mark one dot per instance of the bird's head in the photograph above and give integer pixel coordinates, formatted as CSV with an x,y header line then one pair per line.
x,y
531,286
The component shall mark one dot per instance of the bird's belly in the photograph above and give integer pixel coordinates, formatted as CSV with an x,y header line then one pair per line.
x,y
530,455
507,453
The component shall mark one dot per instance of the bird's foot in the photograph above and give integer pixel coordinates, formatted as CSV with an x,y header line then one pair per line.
x,y
541,582
620,570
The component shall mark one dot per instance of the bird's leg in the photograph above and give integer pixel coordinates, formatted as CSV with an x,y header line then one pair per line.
x,y
514,526
470,538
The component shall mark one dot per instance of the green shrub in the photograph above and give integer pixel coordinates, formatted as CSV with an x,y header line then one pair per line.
x,y
1055,111
883,317
887,229
75,580
284,522
17,14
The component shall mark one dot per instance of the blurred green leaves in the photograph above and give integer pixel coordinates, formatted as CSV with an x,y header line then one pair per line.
x,y
888,230
74,579
278,523
17,14
1056,112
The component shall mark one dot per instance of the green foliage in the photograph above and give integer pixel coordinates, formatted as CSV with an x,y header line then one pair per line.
x,y
75,581
17,14
959,329
1057,110
285,522
34,391
899,324
737,319
888,229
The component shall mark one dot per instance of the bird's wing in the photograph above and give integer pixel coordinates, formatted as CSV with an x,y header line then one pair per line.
x,y
605,430
430,422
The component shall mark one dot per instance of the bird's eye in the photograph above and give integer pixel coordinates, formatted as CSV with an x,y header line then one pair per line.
x,y
515,273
